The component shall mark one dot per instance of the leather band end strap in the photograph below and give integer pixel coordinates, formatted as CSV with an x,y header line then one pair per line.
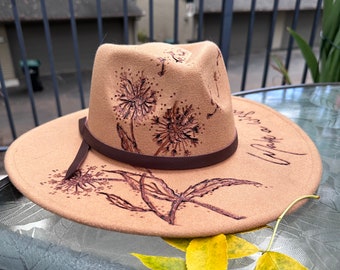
x,y
81,154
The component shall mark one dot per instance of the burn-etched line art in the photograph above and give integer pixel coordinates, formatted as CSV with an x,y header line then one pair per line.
x,y
156,195
179,55
216,76
174,56
83,182
136,100
176,130
162,64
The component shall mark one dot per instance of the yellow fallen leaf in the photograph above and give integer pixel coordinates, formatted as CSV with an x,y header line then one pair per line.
x,y
209,253
179,243
271,260
161,263
239,247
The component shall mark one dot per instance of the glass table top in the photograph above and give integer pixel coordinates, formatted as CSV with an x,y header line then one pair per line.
x,y
33,238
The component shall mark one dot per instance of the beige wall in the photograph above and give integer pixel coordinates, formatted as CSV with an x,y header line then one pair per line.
x,y
6,59
36,47
164,20
164,24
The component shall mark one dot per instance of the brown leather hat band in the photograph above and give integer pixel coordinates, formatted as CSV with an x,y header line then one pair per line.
x,y
145,161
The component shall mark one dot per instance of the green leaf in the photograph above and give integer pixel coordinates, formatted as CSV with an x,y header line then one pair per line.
x,y
330,18
330,26
209,253
307,53
239,247
330,73
161,263
281,68
327,16
179,243
271,260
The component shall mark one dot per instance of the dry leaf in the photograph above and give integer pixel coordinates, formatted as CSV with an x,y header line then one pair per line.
x,y
238,247
271,260
161,263
179,243
209,253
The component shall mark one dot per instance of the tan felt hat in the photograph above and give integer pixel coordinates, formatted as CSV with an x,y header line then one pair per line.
x,y
164,149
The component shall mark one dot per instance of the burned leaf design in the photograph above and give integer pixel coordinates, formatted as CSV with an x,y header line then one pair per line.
x,y
151,189
157,188
132,179
157,194
176,130
126,142
146,185
207,186
119,202
153,193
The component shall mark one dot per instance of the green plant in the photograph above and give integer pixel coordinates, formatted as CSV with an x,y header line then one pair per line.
x,y
142,37
326,69
281,68
213,253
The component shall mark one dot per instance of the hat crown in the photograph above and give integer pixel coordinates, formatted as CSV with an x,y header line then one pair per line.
x,y
163,100
153,108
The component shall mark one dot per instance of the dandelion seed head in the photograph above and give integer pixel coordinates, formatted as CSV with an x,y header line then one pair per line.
x,y
176,131
136,98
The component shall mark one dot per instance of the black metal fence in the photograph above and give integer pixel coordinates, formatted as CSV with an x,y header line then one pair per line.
x,y
224,44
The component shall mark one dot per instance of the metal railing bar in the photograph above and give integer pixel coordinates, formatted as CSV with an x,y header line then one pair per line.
x,y
316,19
50,56
151,20
7,105
176,10
270,42
99,21
291,39
200,20
3,149
76,53
225,35
248,44
4,179
24,59
126,22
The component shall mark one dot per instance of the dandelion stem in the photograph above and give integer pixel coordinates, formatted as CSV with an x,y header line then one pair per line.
x,y
284,213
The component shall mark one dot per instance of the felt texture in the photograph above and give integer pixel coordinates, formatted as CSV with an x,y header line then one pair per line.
x,y
167,100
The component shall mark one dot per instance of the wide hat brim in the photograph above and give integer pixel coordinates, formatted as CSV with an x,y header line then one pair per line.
x,y
275,163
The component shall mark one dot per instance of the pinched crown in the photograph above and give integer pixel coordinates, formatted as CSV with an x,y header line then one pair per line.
x,y
161,100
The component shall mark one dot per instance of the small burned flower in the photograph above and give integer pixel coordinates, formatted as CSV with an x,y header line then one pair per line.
x,y
136,98
82,181
176,130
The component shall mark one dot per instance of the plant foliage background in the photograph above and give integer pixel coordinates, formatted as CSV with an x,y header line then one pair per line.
x,y
324,68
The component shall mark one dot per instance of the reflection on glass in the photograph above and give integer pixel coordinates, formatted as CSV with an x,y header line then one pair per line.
x,y
328,97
